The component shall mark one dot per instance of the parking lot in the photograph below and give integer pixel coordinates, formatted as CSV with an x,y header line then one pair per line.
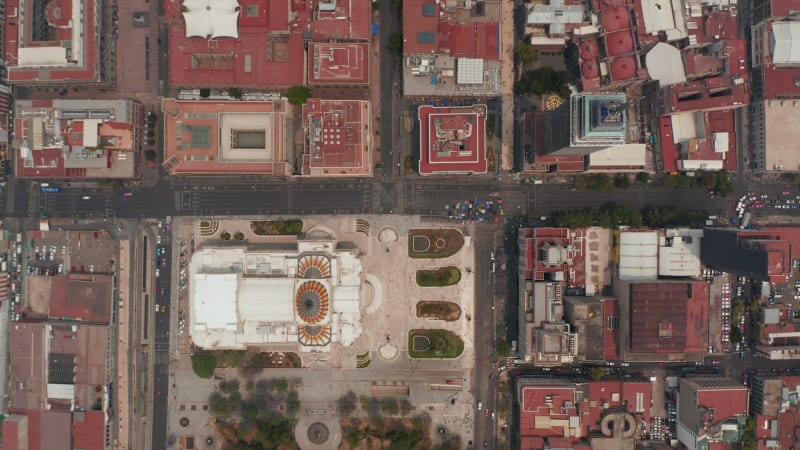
x,y
62,252
783,202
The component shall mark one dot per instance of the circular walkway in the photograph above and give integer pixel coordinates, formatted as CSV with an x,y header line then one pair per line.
x,y
318,432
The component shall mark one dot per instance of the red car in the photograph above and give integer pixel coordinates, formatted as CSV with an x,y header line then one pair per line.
x,y
163,262
486,412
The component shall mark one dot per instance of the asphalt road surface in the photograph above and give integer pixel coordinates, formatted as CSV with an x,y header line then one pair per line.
x,y
557,198
161,310
483,319
248,196
324,198
391,104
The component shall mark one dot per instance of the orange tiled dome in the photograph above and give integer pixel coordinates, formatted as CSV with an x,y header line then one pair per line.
x,y
315,335
311,302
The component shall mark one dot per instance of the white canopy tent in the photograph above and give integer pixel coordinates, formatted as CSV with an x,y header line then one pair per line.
x,y
211,18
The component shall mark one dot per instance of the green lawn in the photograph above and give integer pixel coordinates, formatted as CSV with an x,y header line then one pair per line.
x,y
443,242
443,276
203,364
444,344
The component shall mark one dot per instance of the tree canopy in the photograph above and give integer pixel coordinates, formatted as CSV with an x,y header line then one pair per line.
x,y
526,53
297,95
395,43
544,80
616,216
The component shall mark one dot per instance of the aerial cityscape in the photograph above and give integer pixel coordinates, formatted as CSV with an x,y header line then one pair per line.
x,y
399,224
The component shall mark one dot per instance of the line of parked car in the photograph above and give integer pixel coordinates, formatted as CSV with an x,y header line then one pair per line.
x,y
726,312
12,263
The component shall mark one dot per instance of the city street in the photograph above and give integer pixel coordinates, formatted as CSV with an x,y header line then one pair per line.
x,y
414,195
483,388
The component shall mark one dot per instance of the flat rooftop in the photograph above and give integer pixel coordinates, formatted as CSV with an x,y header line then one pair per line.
x,y
452,140
707,139
338,63
308,295
225,136
270,49
81,297
52,41
431,28
76,138
668,317
781,121
338,137
76,357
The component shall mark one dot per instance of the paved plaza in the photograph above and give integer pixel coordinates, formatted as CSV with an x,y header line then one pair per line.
x,y
387,313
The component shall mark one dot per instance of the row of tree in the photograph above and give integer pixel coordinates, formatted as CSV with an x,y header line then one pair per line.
x,y
296,95
604,182
375,407
617,216
718,182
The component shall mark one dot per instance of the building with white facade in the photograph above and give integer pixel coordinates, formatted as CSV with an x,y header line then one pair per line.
x,y
307,294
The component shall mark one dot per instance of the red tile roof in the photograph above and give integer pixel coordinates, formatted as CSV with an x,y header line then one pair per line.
x,y
550,401
726,403
179,158
556,399
27,378
616,19
762,426
787,233
668,317
56,430
783,8
781,82
428,28
338,63
88,71
619,43
270,48
89,433
12,434
532,443
624,68
343,143
789,428
715,121
350,20
730,89
48,161
34,429
777,248
81,297
460,146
